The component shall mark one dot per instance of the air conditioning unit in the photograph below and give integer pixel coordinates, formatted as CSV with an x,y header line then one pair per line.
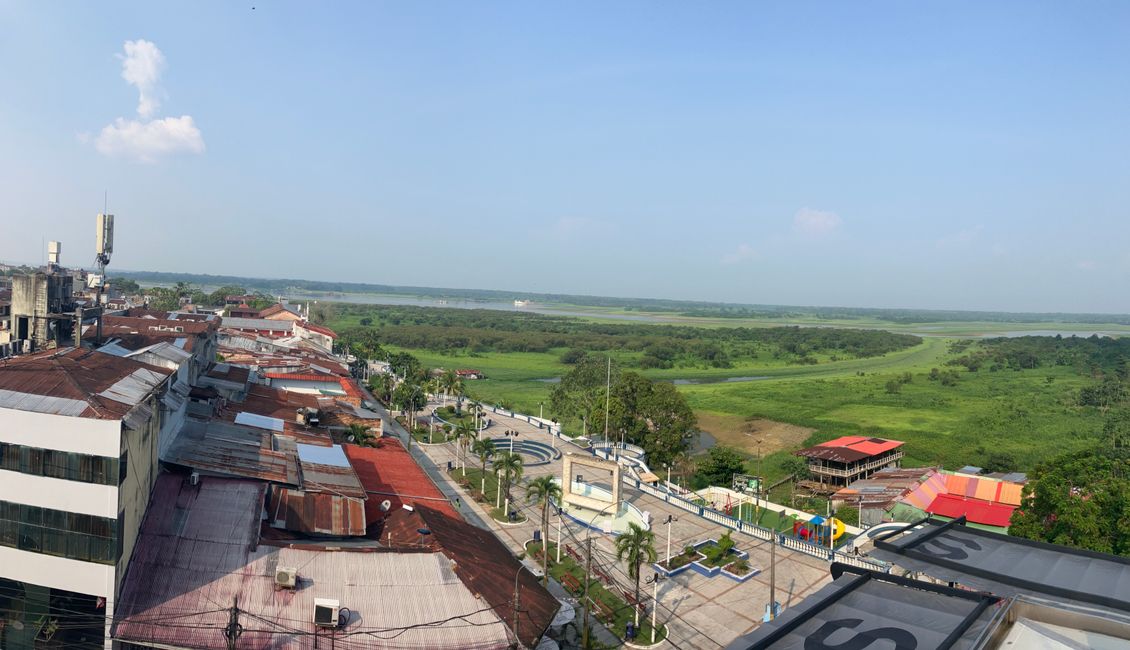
x,y
194,478
325,612
286,577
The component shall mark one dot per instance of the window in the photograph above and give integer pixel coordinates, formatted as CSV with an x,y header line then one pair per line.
x,y
53,463
56,532
123,467
31,460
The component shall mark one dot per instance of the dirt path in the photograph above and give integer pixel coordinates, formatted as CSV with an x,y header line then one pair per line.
x,y
743,433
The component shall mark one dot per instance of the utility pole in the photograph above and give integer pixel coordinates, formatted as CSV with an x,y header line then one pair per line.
x,y
588,569
773,577
607,398
234,629
516,601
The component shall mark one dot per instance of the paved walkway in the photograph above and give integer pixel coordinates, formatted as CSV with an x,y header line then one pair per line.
x,y
434,458
700,612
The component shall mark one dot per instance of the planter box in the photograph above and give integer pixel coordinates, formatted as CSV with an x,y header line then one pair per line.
x,y
711,571
737,578
674,572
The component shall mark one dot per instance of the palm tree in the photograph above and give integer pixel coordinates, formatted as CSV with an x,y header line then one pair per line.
x,y
636,545
484,449
382,385
448,381
543,490
360,434
510,464
464,434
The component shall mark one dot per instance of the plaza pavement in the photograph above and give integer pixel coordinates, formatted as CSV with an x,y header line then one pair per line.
x,y
700,612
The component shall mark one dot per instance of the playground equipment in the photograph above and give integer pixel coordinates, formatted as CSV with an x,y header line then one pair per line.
x,y
816,529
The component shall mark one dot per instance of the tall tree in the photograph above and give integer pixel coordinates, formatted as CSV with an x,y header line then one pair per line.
x,y
636,545
653,415
448,381
580,393
544,490
721,464
510,466
382,385
464,436
1080,499
484,449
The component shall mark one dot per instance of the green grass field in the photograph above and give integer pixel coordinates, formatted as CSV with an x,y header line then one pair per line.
x,y
1029,414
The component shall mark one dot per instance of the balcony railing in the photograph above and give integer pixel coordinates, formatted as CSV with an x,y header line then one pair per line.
x,y
855,469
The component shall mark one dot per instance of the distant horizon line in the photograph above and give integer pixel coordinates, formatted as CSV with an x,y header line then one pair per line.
x,y
518,294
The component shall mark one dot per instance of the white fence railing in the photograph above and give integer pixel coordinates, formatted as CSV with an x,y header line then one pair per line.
x,y
671,494
755,531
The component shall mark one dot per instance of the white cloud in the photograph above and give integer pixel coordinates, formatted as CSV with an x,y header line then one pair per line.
x,y
146,141
1086,265
148,138
743,252
142,65
815,223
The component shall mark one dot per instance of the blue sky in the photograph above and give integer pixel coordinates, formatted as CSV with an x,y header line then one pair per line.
x,y
940,155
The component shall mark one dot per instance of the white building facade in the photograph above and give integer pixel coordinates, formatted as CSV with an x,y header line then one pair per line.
x,y
75,479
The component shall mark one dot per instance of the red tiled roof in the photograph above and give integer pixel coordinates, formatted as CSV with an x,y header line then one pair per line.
x,y
147,325
388,472
978,512
319,329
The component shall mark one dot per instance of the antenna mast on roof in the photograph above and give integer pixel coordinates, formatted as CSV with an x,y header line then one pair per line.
x,y
103,247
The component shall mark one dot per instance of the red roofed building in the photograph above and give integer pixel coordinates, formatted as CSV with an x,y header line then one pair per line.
x,y
323,337
388,472
838,462
974,510
278,311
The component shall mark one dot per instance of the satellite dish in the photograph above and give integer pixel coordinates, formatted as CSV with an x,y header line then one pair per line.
x,y
385,505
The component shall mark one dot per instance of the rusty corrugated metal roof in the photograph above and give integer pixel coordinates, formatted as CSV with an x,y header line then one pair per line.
x,y
316,513
197,553
220,447
56,381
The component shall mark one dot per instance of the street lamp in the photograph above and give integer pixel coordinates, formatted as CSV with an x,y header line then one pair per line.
x,y
757,510
668,521
654,580
512,435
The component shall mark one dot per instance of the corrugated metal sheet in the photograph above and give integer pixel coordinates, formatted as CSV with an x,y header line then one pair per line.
x,y
109,386
331,479
193,556
134,387
334,455
42,403
227,449
258,324
260,421
316,514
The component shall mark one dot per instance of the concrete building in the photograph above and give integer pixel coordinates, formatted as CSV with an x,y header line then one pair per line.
x,y
322,337
43,309
78,460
